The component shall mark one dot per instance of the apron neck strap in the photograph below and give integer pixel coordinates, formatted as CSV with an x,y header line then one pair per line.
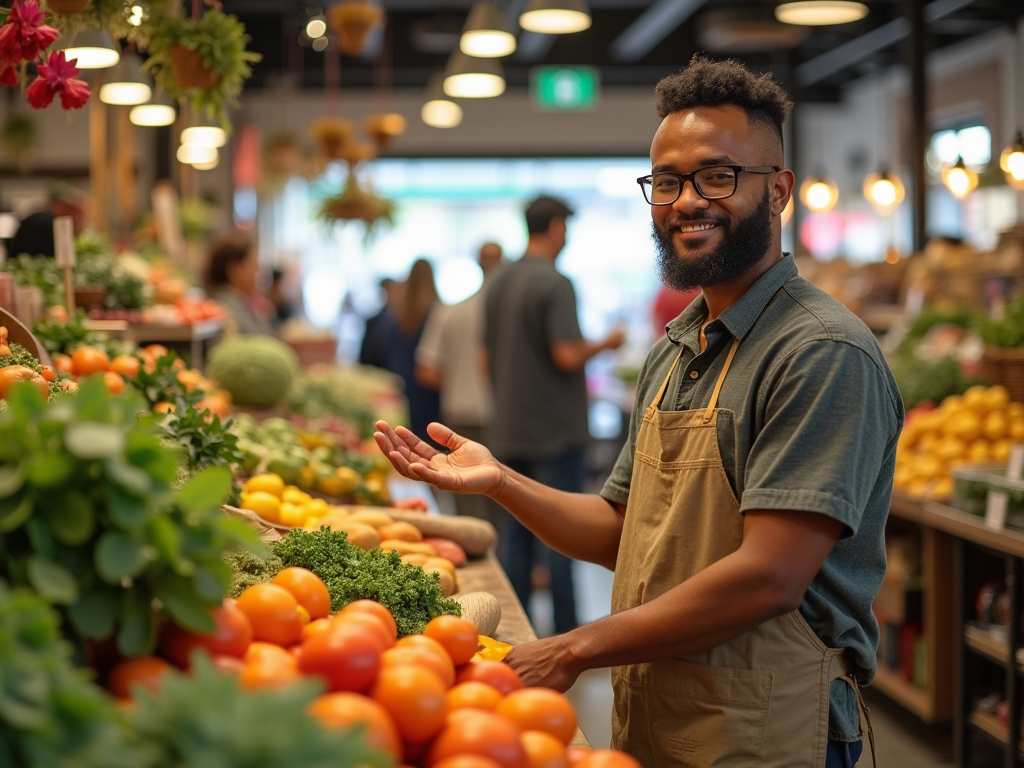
x,y
709,412
664,385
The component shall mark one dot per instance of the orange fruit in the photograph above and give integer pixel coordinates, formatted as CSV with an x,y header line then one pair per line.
x,y
315,627
146,671
472,695
126,365
607,758
458,636
540,709
480,733
63,363
308,589
190,379
273,612
155,351
15,374
164,407
369,621
269,673
87,360
543,750
467,761
114,382
346,656
438,663
343,710
372,606
496,674
414,698
422,641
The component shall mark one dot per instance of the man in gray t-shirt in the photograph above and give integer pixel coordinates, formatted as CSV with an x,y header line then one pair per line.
x,y
536,355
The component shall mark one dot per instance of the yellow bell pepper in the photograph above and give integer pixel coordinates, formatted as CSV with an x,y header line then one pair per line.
x,y
491,649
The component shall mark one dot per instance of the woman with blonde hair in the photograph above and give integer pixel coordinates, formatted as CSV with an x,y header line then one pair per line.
x,y
400,335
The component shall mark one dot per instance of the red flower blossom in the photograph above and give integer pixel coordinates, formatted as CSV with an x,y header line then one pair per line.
x,y
24,36
8,74
55,77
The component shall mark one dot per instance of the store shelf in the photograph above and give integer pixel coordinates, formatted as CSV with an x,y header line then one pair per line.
x,y
990,724
987,643
903,693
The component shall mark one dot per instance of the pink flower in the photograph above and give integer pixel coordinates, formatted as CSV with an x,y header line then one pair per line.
x,y
24,36
55,77
8,74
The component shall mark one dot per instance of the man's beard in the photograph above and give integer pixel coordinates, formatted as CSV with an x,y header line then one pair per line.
x,y
743,245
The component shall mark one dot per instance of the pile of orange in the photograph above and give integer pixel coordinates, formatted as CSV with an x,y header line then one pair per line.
x,y
421,699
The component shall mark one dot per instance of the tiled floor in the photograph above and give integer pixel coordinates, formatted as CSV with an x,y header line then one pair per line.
x,y
902,741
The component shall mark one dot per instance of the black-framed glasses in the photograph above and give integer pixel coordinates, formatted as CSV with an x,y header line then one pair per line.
x,y
715,182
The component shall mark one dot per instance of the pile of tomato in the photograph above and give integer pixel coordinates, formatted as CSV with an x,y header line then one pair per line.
x,y
422,699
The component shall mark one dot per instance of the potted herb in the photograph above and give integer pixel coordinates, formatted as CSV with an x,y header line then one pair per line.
x,y
204,60
1003,358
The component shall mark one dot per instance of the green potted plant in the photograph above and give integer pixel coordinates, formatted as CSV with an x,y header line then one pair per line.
x,y
1003,358
357,203
203,59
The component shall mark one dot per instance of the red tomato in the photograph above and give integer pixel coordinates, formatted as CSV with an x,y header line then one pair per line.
x,y
496,674
480,733
370,622
273,613
63,363
540,709
414,698
438,663
607,758
231,637
375,608
458,636
307,588
343,710
347,657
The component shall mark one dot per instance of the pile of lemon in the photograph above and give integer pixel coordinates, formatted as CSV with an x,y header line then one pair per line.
x,y
269,497
978,427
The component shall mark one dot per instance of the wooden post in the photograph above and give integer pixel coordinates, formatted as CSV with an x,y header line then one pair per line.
x,y
916,51
127,187
65,256
98,171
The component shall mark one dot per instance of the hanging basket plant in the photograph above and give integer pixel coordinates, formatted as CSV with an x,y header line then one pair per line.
x,y
357,203
283,155
129,21
352,21
204,60
384,128
19,138
331,135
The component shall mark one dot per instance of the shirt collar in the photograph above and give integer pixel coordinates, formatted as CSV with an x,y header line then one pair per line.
x,y
741,316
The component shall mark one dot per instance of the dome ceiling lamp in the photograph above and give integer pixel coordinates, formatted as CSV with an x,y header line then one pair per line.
x,y
819,193
127,86
555,17
205,135
1011,161
196,154
156,113
439,111
817,13
470,77
91,49
884,191
959,179
487,33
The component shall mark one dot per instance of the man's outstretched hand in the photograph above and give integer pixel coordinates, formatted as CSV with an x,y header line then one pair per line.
x,y
469,468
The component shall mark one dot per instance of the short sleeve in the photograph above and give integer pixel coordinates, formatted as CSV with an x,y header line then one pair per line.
x,y
829,421
429,352
561,322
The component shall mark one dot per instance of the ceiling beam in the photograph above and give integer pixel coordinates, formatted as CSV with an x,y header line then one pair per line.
x,y
533,46
652,26
817,69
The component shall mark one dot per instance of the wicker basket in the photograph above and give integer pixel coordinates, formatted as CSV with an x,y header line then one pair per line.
x,y
1006,367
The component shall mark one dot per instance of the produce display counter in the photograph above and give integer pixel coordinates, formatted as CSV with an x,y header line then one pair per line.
x,y
487,575
189,338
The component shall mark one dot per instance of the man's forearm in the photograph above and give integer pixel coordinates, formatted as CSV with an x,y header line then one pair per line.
x,y
572,356
580,526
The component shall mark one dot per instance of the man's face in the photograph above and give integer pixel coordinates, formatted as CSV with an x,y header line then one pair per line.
x,y
701,242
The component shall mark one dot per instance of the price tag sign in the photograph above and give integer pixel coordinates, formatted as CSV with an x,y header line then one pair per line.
x,y
995,509
64,241
1015,464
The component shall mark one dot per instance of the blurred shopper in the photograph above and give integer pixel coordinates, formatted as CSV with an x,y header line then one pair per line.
x,y
536,356
283,309
449,359
35,233
371,350
400,334
231,274
668,305
745,517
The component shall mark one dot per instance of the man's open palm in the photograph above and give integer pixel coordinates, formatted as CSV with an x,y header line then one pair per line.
x,y
469,468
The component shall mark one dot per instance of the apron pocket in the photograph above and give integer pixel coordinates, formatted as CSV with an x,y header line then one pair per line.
x,y
699,715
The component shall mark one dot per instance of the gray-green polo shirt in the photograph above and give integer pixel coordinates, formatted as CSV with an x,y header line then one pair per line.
x,y
812,415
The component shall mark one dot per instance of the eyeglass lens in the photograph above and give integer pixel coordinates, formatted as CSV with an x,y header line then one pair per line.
x,y
711,183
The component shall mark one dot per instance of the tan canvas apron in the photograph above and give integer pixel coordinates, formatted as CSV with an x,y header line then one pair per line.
x,y
759,700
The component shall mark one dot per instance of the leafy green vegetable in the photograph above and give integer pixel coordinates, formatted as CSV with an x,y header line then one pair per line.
x,y
1007,332
929,318
90,521
920,380
62,338
51,716
248,568
161,385
206,720
124,291
206,443
412,595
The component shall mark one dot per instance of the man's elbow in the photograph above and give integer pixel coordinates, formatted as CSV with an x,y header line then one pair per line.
x,y
428,377
565,359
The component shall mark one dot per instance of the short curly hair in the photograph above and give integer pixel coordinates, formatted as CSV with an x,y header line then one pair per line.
x,y
708,83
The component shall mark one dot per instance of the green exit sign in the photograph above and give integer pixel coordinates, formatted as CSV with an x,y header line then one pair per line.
x,y
564,88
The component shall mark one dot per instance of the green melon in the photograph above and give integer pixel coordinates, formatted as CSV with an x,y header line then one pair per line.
x,y
257,370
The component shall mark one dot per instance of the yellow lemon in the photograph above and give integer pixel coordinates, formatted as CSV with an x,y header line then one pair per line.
x,y
317,507
293,495
928,441
1001,450
995,426
979,451
1016,431
348,479
293,515
966,425
952,404
996,398
312,524
975,398
918,488
264,504
903,478
268,483
1015,411
930,422
941,489
949,448
927,467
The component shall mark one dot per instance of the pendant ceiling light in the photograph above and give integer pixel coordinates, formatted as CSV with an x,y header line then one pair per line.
x,y
209,166
156,113
817,13
439,111
127,86
91,49
555,17
1011,161
196,154
487,33
819,193
884,191
959,179
470,77
205,135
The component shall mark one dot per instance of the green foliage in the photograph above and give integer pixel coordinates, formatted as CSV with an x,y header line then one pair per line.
x,y
929,318
221,40
1007,332
124,291
315,395
113,15
356,203
256,370
19,137
90,521
933,380
64,338
204,439
205,720
161,384
248,568
412,595
50,715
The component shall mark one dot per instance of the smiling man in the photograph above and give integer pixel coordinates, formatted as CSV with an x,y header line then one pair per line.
x,y
744,518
